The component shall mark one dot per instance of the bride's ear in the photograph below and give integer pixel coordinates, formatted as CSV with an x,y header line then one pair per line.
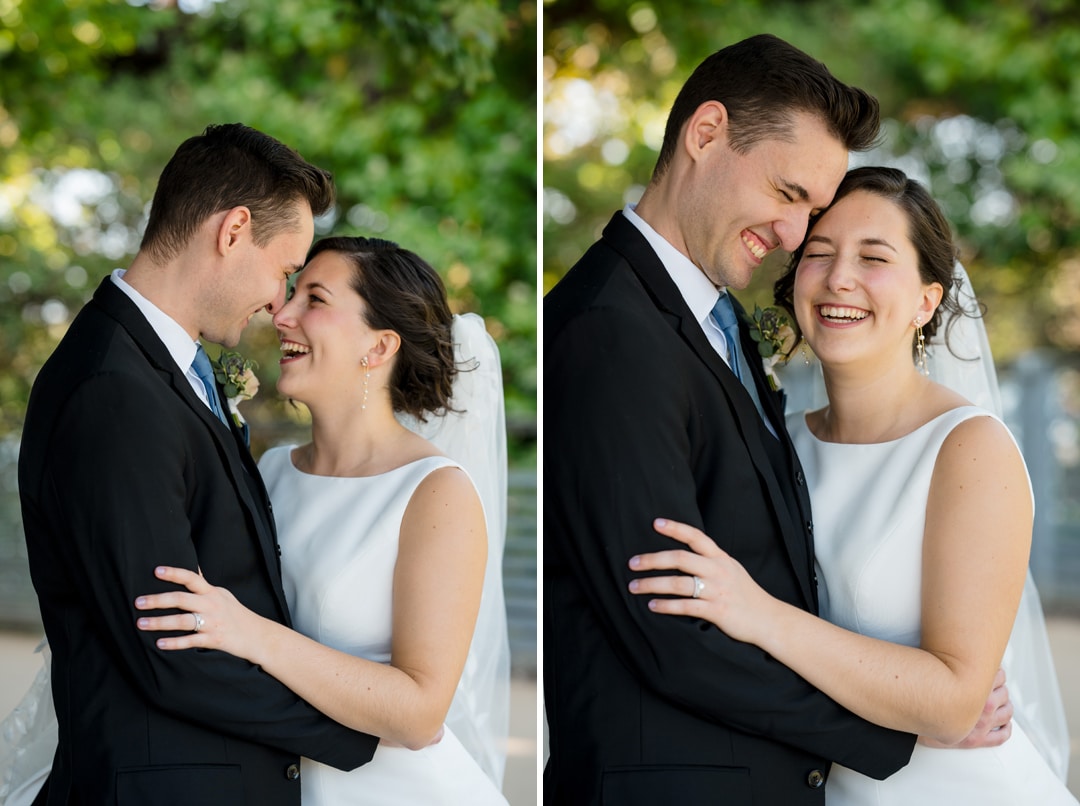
x,y
931,298
385,348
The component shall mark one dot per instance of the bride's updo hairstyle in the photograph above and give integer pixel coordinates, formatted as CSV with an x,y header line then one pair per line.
x,y
928,230
403,293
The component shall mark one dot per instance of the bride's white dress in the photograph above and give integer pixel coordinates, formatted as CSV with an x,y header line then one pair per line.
x,y
869,505
339,543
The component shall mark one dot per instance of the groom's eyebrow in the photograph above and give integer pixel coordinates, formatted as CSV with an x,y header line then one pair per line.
x,y
795,189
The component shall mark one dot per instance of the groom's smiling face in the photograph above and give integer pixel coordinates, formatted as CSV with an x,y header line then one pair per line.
x,y
737,206
256,278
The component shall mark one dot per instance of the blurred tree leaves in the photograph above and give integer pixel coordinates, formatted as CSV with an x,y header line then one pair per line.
x,y
982,101
424,111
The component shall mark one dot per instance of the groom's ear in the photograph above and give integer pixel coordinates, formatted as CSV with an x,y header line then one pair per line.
x,y
235,224
385,348
706,129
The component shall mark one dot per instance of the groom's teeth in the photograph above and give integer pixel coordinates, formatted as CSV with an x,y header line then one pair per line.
x,y
844,313
755,250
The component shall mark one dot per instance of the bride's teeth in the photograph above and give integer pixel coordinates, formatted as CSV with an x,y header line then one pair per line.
x,y
755,250
837,312
291,348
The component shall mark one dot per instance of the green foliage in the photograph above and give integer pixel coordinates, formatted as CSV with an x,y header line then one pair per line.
x,y
981,99
424,111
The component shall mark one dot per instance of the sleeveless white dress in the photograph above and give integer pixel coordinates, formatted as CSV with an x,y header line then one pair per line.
x,y
339,545
869,504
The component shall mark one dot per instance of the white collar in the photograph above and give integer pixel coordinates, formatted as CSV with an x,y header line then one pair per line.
x,y
696,289
176,339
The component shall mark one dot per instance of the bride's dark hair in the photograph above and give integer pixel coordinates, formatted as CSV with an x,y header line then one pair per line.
x,y
404,294
928,230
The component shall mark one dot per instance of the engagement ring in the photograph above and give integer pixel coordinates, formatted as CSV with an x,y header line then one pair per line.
x,y
199,619
699,586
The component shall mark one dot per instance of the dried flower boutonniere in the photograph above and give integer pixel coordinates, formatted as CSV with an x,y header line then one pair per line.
x,y
236,375
771,329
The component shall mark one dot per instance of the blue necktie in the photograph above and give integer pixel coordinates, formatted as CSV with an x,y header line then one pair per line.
x,y
724,315
202,368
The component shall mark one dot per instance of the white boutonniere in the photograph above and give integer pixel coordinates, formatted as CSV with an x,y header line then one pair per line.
x,y
236,375
771,330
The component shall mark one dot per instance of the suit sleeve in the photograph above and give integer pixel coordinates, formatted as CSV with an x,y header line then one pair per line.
x,y
119,479
618,453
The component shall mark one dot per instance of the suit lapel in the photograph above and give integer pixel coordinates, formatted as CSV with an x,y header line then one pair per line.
x,y
240,465
625,238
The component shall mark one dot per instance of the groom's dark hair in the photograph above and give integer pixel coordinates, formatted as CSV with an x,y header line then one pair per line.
x,y
232,165
762,82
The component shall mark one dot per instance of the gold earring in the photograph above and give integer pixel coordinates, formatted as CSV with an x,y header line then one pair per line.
x,y
920,349
367,374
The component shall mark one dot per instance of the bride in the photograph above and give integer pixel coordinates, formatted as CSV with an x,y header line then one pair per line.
x,y
383,537
923,516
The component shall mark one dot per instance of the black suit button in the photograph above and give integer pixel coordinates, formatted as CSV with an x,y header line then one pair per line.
x,y
800,479
292,772
816,779
278,547
810,527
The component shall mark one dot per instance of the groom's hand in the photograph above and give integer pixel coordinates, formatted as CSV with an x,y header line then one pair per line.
x,y
995,722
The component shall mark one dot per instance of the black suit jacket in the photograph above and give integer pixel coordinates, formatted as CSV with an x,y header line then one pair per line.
x,y
642,419
122,468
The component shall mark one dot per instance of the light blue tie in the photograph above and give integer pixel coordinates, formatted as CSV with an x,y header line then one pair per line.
x,y
724,316
202,368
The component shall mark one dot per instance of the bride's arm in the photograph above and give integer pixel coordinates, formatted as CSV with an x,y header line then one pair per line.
x,y
437,582
975,550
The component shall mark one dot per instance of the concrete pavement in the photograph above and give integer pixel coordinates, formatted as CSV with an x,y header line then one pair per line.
x,y
19,664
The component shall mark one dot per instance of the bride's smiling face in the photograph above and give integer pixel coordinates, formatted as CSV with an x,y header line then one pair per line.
x,y
857,288
323,333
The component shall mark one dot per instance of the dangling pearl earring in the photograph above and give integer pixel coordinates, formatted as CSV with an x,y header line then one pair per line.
x,y
920,349
367,374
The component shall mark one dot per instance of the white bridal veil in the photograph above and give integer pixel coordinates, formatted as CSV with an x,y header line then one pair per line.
x,y
968,368
473,435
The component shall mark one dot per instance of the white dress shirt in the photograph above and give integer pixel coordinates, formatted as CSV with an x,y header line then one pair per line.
x,y
696,289
700,295
176,339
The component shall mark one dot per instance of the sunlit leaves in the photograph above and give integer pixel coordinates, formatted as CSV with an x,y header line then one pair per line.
x,y
982,101
424,111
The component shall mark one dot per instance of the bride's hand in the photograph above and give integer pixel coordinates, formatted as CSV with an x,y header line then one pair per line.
x,y
725,593
214,618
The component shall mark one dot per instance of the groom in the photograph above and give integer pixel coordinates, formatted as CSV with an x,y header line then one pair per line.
x,y
128,462
645,415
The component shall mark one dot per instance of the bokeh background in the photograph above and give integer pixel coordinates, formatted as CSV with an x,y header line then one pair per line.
x,y
981,101
425,112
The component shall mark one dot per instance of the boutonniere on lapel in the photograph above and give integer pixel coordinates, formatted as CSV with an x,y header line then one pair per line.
x,y
236,375
771,330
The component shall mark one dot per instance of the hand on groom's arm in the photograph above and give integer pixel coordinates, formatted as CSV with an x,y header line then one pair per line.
x,y
995,722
